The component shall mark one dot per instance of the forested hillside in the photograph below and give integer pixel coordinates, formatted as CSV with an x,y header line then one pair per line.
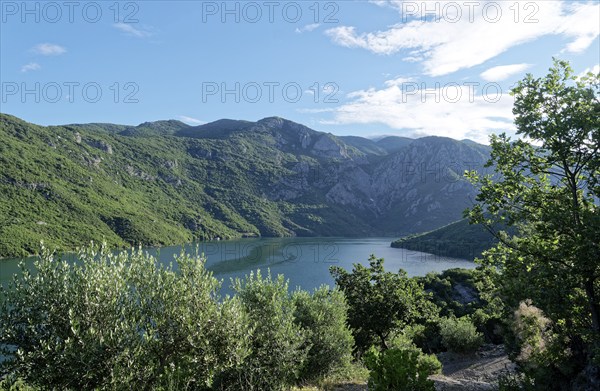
x,y
166,182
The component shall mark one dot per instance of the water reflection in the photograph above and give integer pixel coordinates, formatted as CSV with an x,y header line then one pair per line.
x,y
304,261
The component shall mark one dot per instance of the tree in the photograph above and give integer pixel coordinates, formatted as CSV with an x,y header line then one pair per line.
x,y
546,184
380,302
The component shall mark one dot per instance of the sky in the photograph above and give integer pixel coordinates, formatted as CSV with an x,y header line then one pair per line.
x,y
365,68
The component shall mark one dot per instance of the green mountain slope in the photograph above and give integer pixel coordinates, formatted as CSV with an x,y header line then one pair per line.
x,y
166,182
458,240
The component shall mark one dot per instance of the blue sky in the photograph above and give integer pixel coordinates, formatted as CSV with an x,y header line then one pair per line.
x,y
362,68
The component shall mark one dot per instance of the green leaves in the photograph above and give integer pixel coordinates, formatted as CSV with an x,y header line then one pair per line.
x,y
460,335
548,191
380,302
278,348
119,321
401,368
323,317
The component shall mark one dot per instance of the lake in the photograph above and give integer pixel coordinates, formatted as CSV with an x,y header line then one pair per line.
x,y
304,261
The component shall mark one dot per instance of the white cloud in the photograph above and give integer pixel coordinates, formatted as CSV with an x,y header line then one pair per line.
x,y
595,70
48,49
190,120
32,66
453,110
503,72
132,31
413,59
398,81
449,44
307,28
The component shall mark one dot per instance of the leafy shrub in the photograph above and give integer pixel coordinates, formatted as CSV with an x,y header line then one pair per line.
x,y
425,336
11,384
119,322
403,368
278,344
323,316
516,382
460,335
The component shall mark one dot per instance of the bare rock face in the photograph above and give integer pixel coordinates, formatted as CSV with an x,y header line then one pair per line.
x,y
304,139
92,161
417,188
326,146
77,137
101,145
134,172
353,189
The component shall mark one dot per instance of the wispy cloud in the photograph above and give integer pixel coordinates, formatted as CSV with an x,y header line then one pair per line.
x,y
447,45
32,66
48,49
456,111
128,29
307,28
503,72
398,81
190,120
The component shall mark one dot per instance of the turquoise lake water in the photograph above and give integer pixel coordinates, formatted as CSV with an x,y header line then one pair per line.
x,y
304,261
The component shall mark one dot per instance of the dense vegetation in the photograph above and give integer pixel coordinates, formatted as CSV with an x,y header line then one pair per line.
x,y
137,324
547,273
457,240
168,183
126,322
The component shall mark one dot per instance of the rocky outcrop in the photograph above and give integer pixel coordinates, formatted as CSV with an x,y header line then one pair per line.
x,y
139,173
326,146
101,145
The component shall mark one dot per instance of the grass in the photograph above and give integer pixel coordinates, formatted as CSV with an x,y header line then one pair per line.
x,y
353,374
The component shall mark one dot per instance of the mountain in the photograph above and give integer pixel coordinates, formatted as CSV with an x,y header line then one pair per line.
x,y
458,240
166,182
365,145
392,144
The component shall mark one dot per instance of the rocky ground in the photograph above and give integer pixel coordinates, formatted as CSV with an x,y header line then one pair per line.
x,y
474,372
479,371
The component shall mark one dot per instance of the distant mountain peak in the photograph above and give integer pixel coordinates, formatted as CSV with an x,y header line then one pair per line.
x,y
170,122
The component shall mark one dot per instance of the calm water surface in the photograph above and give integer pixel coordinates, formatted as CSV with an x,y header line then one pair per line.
x,y
304,261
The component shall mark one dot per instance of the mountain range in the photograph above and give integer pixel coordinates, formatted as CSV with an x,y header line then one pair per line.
x,y
167,182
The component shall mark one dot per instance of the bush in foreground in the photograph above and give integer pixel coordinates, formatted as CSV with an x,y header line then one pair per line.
x,y
403,368
125,321
278,348
381,303
460,335
323,316
119,321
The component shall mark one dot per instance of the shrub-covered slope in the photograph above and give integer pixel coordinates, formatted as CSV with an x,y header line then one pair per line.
x,y
166,182
458,240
